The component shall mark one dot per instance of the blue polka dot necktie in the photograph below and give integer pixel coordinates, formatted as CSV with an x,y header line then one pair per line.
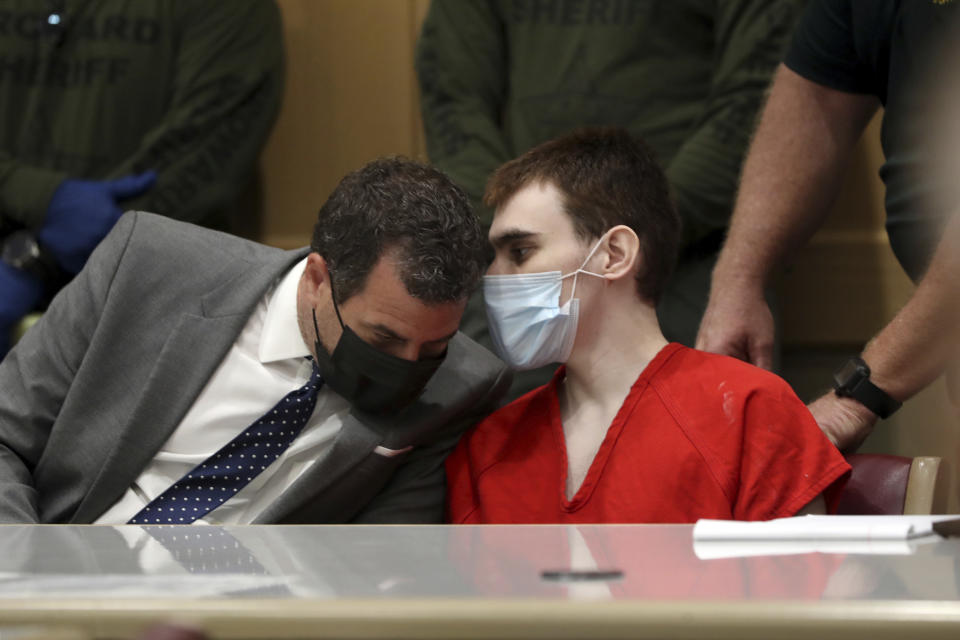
x,y
222,475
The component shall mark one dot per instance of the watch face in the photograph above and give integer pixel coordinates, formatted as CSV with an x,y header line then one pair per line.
x,y
853,371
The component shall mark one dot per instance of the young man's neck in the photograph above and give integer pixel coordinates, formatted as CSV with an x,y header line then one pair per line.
x,y
612,351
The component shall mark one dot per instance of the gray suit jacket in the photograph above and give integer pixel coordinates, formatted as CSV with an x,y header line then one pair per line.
x,y
91,393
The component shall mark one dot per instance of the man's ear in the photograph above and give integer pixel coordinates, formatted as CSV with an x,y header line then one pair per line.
x,y
316,271
315,282
623,253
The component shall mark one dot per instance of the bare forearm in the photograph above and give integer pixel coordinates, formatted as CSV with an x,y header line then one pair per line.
x,y
917,345
910,352
791,174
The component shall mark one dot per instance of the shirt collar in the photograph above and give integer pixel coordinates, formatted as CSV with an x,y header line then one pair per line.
x,y
280,338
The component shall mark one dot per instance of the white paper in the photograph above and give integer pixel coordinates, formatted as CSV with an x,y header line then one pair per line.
x,y
715,549
877,535
819,528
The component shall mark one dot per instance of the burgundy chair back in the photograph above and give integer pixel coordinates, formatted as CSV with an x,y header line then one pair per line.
x,y
877,485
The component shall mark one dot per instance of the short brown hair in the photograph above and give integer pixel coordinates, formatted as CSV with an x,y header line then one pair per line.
x,y
607,178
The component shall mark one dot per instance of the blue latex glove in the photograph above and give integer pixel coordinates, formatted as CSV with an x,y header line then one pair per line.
x,y
82,212
20,293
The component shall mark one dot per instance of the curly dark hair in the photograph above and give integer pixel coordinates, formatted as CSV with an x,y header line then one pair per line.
x,y
397,204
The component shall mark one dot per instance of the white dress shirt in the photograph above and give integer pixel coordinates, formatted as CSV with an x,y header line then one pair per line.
x,y
266,362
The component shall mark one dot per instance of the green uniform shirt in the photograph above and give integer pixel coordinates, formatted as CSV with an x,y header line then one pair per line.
x,y
104,88
688,76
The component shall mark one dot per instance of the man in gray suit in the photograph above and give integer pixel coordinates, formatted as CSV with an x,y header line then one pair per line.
x,y
191,376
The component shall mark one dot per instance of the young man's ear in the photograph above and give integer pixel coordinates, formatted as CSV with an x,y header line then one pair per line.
x,y
623,253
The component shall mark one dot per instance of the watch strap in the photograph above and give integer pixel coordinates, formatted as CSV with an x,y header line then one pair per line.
x,y
872,397
877,400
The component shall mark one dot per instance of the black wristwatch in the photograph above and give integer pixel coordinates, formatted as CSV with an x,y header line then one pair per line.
x,y
852,380
22,251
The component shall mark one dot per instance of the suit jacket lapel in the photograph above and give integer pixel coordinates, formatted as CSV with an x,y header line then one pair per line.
x,y
190,355
359,436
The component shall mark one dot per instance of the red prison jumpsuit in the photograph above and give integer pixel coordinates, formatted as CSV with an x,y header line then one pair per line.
x,y
698,436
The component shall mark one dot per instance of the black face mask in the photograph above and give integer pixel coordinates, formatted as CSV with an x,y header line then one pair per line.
x,y
368,378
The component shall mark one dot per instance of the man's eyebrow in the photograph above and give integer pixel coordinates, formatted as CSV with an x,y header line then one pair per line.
x,y
393,335
511,235
385,330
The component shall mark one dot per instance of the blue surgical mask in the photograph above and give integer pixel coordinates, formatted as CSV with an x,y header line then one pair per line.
x,y
528,325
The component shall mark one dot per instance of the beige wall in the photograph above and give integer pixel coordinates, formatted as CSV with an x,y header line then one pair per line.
x,y
351,96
